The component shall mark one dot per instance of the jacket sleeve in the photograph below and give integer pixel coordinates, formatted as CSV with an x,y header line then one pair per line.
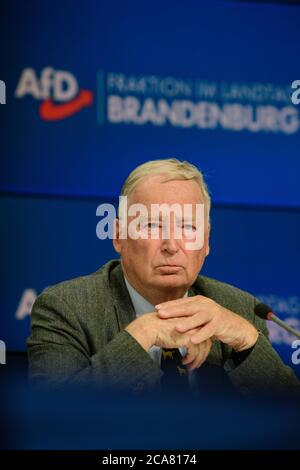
x,y
59,354
263,372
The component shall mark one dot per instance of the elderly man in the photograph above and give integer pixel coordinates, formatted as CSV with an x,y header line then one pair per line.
x,y
151,316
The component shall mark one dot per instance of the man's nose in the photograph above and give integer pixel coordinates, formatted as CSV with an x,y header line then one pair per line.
x,y
170,244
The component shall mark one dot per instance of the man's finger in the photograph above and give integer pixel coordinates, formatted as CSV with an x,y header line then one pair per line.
x,y
183,310
195,321
183,300
188,358
199,361
203,334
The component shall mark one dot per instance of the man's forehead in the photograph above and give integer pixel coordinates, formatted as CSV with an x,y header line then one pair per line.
x,y
153,189
179,216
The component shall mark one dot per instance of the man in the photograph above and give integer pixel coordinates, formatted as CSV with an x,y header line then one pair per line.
x,y
119,326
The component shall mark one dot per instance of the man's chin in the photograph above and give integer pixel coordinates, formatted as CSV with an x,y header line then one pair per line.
x,y
170,280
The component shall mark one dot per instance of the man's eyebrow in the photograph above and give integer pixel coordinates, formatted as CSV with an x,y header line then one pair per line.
x,y
144,218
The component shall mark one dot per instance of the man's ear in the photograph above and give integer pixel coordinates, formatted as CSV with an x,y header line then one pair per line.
x,y
116,236
207,234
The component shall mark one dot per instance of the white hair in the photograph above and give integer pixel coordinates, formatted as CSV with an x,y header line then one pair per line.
x,y
173,169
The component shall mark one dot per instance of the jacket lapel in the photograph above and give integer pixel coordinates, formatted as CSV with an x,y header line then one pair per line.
x,y
122,302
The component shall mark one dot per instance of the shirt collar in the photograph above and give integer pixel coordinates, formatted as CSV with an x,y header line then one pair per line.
x,y
140,304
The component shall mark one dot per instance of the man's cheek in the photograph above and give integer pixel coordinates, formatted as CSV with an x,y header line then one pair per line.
x,y
195,242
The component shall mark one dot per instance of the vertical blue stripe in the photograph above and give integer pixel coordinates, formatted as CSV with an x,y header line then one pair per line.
x,y
100,98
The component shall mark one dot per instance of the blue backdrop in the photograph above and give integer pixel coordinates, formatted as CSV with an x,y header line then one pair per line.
x,y
92,92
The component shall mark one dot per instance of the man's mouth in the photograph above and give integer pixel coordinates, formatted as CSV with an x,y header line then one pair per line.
x,y
169,269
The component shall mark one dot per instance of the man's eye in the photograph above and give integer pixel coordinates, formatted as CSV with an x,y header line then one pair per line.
x,y
189,227
152,225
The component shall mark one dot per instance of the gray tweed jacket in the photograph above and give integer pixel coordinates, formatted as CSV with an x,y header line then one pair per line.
x,y
77,336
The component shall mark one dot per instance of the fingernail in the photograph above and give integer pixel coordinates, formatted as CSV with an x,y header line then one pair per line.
x,y
162,311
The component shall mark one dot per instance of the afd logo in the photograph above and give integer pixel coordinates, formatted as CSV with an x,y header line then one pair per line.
x,y
57,90
2,352
26,303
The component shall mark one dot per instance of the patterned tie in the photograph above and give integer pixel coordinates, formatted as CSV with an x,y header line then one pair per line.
x,y
175,378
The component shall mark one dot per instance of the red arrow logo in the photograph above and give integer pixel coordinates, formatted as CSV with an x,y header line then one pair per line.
x,y
49,111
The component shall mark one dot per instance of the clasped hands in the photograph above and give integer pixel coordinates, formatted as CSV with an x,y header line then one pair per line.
x,y
193,322
197,321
